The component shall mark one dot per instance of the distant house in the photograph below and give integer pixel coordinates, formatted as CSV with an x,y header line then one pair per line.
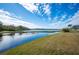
x,y
76,27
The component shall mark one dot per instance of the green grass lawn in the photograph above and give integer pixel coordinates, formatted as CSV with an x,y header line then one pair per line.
x,y
62,43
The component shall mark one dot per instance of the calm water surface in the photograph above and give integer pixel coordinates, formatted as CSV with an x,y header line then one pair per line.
x,y
8,40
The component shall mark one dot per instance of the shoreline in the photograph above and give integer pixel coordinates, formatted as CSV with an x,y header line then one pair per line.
x,y
58,44
33,37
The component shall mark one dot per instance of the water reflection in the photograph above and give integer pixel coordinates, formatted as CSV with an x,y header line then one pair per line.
x,y
10,40
20,33
1,37
11,34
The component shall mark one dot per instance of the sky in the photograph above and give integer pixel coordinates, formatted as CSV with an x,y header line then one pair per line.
x,y
40,15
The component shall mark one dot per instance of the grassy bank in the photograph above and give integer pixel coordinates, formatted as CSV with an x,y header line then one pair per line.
x,y
62,43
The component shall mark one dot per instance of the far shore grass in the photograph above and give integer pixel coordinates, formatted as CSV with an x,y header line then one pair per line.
x,y
58,44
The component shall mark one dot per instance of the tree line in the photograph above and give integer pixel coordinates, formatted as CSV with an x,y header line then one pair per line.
x,y
12,27
71,28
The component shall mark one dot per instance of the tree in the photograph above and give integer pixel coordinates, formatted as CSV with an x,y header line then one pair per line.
x,y
0,26
70,25
8,27
65,30
21,28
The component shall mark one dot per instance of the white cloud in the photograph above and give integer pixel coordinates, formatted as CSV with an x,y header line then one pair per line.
x,y
4,13
72,6
35,8
30,7
7,19
55,19
63,17
75,19
58,25
47,9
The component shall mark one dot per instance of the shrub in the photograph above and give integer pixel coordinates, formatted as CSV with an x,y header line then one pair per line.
x,y
66,30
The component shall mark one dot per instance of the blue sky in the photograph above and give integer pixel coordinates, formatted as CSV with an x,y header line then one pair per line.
x,y
39,15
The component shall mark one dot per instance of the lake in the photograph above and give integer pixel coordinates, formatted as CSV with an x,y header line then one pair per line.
x,y
8,40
